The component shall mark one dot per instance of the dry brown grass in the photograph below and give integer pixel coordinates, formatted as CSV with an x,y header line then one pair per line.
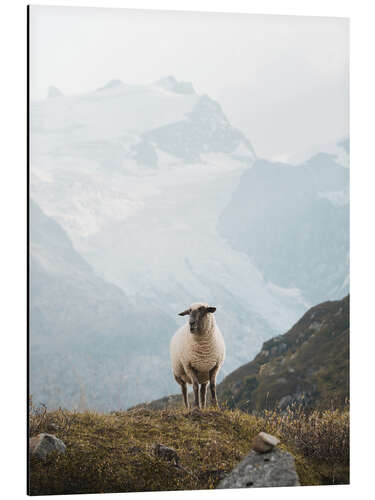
x,y
320,435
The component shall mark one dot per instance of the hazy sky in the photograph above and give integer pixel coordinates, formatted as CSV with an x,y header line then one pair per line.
x,y
282,79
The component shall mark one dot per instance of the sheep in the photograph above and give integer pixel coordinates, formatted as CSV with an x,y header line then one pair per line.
x,y
197,353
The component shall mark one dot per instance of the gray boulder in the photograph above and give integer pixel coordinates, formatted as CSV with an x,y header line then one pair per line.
x,y
43,444
262,470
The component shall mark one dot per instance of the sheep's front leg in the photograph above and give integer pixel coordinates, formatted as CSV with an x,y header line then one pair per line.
x,y
184,394
203,394
194,378
213,374
184,390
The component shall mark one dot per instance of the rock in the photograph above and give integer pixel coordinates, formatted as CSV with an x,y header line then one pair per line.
x,y
165,453
282,348
52,427
264,442
315,326
43,444
256,470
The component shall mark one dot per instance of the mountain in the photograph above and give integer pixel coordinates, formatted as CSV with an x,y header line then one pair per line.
x,y
138,176
293,223
204,130
87,338
308,365
155,192
94,156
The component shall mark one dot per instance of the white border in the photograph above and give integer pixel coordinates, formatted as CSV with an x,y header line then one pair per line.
x,y
13,233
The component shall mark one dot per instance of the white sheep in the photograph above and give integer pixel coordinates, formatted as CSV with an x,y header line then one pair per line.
x,y
197,353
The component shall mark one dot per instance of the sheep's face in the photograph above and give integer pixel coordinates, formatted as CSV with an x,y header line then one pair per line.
x,y
198,316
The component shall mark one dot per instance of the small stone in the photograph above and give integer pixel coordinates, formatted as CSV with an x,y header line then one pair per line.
x,y
165,453
43,444
264,442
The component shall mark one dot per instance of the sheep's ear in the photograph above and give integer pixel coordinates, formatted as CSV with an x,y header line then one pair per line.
x,y
210,309
184,313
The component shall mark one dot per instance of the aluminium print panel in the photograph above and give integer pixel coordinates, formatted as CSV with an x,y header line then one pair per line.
x,y
188,250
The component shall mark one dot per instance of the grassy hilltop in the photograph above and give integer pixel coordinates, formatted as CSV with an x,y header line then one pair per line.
x,y
113,453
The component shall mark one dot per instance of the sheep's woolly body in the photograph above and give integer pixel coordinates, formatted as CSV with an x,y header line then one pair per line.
x,y
201,351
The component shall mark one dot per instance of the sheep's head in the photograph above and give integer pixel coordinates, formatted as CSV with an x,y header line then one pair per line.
x,y
199,316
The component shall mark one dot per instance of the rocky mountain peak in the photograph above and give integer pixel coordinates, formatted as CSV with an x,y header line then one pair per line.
x,y
209,110
170,83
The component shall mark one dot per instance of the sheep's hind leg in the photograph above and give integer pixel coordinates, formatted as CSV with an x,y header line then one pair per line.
x,y
203,394
213,373
184,390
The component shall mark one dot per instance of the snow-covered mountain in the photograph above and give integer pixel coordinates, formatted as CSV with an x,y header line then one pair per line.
x,y
138,178
87,150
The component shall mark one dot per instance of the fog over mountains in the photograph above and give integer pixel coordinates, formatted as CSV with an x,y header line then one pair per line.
x,y
145,199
